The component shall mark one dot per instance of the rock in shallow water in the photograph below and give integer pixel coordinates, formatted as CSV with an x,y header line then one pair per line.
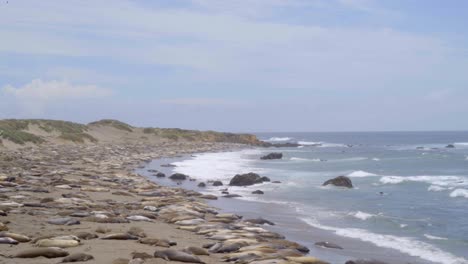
x,y
247,179
340,181
178,177
273,155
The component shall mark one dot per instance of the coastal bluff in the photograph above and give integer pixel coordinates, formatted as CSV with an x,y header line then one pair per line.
x,y
15,133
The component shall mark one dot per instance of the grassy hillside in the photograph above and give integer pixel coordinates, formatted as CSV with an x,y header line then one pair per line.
x,y
39,131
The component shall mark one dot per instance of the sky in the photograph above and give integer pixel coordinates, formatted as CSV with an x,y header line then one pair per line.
x,y
238,65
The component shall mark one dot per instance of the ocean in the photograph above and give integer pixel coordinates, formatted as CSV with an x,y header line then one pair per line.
x,y
410,195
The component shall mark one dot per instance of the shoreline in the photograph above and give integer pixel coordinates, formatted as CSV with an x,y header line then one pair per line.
x,y
354,248
95,189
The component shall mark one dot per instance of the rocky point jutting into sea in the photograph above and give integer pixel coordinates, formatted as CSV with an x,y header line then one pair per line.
x,y
69,193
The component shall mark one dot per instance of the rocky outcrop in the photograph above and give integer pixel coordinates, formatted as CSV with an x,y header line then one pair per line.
x,y
247,179
258,192
217,183
273,155
178,177
340,181
202,184
450,146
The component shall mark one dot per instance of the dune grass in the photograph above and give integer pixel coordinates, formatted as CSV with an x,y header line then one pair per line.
x,y
113,123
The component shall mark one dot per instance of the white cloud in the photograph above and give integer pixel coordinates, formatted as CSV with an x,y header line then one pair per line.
x,y
201,102
32,98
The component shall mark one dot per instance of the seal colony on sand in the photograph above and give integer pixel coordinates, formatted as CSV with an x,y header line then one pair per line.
x,y
84,202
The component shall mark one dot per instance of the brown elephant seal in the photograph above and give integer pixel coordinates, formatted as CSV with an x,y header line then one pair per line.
x,y
141,255
18,237
176,255
120,261
77,257
50,252
86,235
196,251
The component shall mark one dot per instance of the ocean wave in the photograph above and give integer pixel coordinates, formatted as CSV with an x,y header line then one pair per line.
x,y
375,159
273,139
304,159
349,159
435,188
461,144
361,215
360,173
434,237
441,181
321,144
218,166
459,193
406,245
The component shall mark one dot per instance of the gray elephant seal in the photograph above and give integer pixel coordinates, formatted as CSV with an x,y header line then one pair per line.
x,y
175,255
196,251
77,257
120,236
51,252
8,240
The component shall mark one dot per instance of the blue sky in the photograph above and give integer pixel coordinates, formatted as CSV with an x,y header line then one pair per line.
x,y
238,65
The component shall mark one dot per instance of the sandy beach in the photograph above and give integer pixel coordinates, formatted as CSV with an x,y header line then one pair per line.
x,y
54,194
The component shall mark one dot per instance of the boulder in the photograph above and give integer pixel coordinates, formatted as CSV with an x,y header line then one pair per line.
x,y
340,181
247,179
450,146
217,183
273,155
178,177
232,195
160,175
258,192
265,179
202,184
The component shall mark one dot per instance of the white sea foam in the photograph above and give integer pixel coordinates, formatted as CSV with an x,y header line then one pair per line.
x,y
273,139
349,159
434,237
309,143
435,188
321,144
361,215
304,159
461,144
406,245
441,181
360,173
218,166
459,193
375,159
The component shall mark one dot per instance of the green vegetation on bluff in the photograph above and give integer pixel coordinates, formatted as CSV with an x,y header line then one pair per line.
x,y
13,130
113,123
204,136
36,131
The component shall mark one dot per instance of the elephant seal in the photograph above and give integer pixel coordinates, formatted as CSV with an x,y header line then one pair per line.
x,y
157,242
175,255
60,243
141,255
77,257
50,252
196,251
306,260
63,221
18,237
328,245
8,240
86,235
120,236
